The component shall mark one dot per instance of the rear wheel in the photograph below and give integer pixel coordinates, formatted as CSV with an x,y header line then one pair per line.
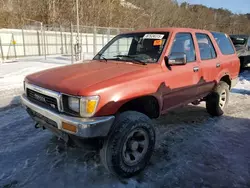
x,y
130,144
217,101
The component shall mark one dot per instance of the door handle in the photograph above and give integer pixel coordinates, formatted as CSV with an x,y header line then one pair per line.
x,y
196,69
217,65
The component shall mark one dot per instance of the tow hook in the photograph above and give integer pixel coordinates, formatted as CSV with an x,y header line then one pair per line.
x,y
37,126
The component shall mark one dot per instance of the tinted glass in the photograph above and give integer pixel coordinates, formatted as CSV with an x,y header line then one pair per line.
x,y
183,43
224,43
143,47
205,46
239,39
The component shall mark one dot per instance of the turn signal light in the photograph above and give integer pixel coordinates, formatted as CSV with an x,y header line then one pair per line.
x,y
91,105
69,127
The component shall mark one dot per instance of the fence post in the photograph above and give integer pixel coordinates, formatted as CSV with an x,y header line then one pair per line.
x,y
118,44
56,40
38,43
87,46
47,44
103,40
66,46
1,48
71,43
43,38
94,40
61,39
24,50
108,33
14,44
81,53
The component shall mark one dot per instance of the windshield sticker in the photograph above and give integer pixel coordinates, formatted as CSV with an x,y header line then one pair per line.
x,y
153,36
157,43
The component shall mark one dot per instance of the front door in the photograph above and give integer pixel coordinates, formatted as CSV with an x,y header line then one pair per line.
x,y
181,81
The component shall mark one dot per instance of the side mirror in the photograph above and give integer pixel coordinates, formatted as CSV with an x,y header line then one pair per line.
x,y
177,58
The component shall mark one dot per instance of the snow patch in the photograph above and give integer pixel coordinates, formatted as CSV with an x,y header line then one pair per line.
x,y
243,86
12,74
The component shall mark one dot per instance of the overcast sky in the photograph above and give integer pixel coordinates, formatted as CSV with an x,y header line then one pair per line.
x,y
236,6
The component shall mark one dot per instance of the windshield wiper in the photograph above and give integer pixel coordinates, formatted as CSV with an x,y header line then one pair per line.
x,y
104,58
136,61
101,57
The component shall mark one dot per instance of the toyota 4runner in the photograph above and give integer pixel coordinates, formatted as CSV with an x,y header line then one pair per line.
x,y
136,77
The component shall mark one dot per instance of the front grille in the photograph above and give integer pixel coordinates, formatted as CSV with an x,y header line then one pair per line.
x,y
42,100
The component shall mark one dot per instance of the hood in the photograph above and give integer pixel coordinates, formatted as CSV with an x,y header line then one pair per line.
x,y
71,79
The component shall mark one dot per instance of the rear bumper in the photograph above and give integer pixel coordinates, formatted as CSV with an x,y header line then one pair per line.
x,y
84,127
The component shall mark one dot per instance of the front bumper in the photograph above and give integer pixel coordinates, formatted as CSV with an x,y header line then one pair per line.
x,y
85,127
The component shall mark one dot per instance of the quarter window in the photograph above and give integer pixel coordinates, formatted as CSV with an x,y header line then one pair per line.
x,y
183,43
206,47
224,43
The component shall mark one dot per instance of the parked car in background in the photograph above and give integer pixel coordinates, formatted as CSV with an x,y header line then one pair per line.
x,y
242,46
136,77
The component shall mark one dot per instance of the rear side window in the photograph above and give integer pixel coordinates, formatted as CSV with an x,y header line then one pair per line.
x,y
224,43
183,43
206,47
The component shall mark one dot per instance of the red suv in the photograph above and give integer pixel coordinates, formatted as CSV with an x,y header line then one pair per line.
x,y
137,76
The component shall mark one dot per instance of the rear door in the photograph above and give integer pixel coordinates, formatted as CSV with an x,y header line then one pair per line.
x,y
181,81
229,59
210,64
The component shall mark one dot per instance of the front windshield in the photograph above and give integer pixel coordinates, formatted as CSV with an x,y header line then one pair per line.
x,y
135,47
238,40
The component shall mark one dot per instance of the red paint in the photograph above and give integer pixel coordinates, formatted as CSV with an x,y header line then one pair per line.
x,y
118,82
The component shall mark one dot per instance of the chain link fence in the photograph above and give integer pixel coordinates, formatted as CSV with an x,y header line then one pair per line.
x,y
44,40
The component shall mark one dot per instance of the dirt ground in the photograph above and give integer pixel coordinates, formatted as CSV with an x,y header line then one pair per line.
x,y
192,150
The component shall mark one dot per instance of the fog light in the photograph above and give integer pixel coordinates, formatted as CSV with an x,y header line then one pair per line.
x,y
69,127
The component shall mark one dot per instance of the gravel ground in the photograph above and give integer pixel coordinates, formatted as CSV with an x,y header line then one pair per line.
x,y
192,150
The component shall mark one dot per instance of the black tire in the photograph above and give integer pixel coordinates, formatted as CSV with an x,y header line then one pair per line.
x,y
114,156
213,102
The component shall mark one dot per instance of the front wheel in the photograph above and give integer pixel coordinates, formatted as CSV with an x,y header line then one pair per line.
x,y
130,144
217,101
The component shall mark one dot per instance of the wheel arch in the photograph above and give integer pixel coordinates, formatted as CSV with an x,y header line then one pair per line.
x,y
226,78
148,105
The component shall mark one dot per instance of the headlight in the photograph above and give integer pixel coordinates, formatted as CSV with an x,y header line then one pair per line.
x,y
86,106
74,104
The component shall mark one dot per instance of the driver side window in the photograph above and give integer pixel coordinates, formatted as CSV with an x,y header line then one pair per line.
x,y
183,43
